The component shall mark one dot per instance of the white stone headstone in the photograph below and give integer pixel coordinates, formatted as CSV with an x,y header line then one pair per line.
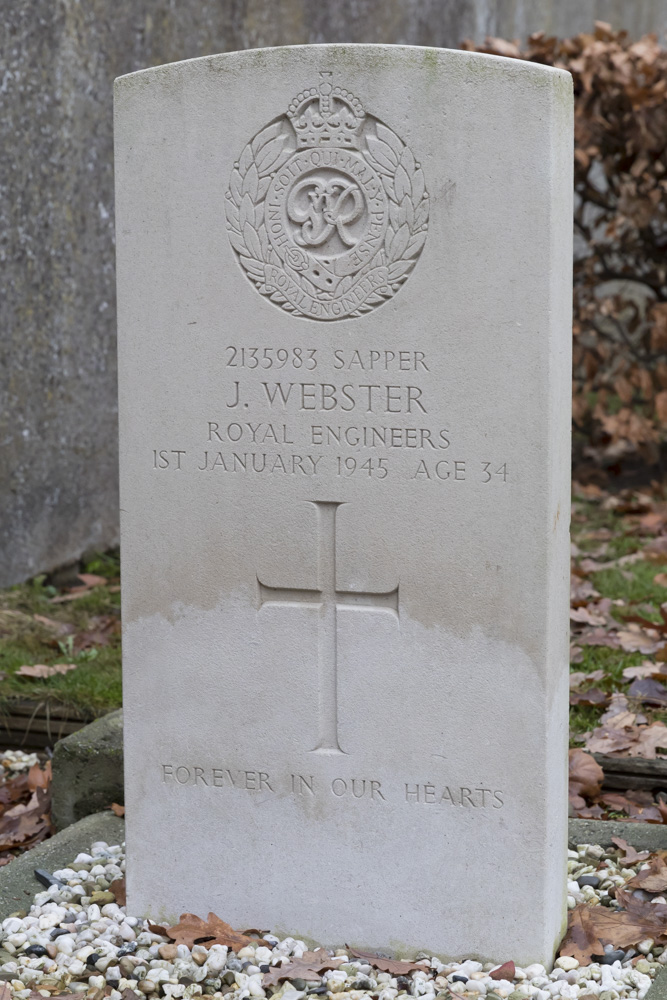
x,y
344,320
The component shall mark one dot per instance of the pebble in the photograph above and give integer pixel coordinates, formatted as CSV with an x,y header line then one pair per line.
x,y
76,939
610,957
591,880
100,898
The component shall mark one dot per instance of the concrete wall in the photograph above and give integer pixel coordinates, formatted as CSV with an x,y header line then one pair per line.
x,y
58,58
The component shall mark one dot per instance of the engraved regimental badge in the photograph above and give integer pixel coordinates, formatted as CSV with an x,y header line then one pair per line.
x,y
326,208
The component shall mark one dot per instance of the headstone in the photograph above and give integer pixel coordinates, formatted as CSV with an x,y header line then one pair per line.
x,y
344,318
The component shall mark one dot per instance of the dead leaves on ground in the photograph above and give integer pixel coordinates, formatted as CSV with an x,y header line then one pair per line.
x,y
630,723
585,777
88,582
624,733
651,879
191,930
395,967
68,626
41,670
119,890
592,926
74,640
588,801
630,855
25,803
310,967
620,293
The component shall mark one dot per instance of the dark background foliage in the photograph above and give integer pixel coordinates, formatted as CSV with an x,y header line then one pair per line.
x,y
620,267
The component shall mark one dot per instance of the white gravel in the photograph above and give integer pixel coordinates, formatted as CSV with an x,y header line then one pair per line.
x,y
129,956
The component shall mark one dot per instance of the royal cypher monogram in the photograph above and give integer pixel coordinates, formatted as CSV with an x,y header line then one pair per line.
x,y
326,208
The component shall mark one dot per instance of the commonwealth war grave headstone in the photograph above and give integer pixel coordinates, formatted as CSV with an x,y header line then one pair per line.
x,y
344,321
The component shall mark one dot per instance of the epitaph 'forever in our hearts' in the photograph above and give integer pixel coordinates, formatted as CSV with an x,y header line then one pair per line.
x,y
344,325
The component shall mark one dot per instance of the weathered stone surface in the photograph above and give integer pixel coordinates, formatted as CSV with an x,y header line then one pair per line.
x,y
58,482
345,503
658,989
18,884
88,770
643,836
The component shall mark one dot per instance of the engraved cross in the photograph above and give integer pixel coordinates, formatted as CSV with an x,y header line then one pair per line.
x,y
328,598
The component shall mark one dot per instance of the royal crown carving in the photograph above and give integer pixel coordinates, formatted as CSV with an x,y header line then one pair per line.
x,y
328,116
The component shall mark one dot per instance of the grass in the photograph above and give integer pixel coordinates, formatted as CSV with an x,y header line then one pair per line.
x,y
633,584
94,687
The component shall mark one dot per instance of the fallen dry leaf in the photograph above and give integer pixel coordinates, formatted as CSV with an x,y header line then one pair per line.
x,y
639,805
592,698
585,615
599,637
192,930
618,709
41,670
610,741
310,967
648,691
655,914
656,550
116,809
637,640
395,967
26,823
102,630
587,566
89,582
581,591
62,628
645,669
581,940
117,887
39,777
649,739
92,580
660,579
630,855
590,928
579,677
585,774
651,879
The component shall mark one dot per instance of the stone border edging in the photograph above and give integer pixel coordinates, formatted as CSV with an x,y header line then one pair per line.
x,y
18,884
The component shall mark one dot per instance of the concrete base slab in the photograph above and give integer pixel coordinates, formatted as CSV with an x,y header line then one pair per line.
x,y
18,884
88,770
643,836
658,988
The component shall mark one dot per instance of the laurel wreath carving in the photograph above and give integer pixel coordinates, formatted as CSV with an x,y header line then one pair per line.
x,y
403,182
